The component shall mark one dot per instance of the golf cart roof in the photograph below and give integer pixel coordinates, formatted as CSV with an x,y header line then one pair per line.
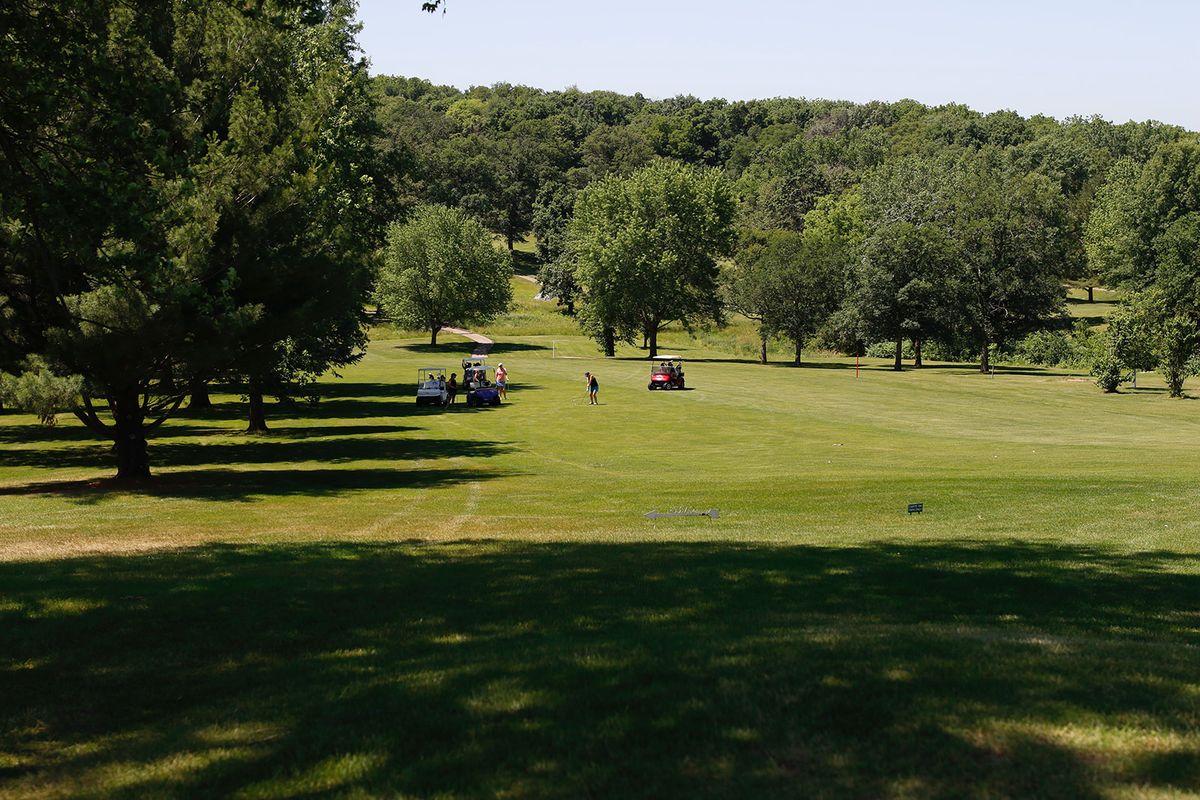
x,y
668,358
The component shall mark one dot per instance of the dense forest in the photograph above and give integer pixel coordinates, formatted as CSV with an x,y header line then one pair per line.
x,y
933,193
517,155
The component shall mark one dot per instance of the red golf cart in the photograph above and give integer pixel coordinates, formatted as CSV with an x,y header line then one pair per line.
x,y
666,373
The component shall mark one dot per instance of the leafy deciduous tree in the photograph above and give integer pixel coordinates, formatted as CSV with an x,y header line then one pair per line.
x,y
440,268
903,284
1009,229
133,135
645,250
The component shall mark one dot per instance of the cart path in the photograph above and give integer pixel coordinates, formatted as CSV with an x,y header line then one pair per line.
x,y
483,345
535,282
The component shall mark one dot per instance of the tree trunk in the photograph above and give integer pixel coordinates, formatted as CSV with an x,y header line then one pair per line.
x,y
570,308
610,342
762,350
258,414
985,363
799,350
1174,379
133,458
654,341
200,400
1090,298
511,240
899,365
917,351
433,332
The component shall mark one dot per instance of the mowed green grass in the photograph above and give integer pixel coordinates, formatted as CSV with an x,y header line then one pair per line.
x,y
1104,302
381,600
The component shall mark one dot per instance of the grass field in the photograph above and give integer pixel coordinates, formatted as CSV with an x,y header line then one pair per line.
x,y
1104,302
381,600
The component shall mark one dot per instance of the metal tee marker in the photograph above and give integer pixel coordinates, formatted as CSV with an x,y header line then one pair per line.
x,y
712,513
916,508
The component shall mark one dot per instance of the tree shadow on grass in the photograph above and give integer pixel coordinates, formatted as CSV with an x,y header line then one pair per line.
x,y
503,348
267,450
945,670
37,434
461,349
224,485
34,433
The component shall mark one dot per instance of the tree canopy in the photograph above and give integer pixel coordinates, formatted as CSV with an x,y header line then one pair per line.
x,y
440,268
161,168
645,250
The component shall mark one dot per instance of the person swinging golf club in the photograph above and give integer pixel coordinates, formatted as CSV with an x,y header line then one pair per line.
x,y
593,388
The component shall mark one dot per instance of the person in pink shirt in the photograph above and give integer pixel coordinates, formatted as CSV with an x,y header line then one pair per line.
x,y
502,380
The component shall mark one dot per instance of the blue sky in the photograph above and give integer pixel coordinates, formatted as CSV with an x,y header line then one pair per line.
x,y
1123,60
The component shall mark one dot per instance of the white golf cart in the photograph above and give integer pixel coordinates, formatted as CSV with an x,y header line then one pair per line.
x,y
431,386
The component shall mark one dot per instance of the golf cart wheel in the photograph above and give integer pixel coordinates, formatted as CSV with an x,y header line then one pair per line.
x,y
495,401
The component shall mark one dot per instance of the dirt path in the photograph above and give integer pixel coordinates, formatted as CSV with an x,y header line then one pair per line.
x,y
483,345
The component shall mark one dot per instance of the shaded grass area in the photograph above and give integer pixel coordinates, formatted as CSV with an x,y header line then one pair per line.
x,y
485,669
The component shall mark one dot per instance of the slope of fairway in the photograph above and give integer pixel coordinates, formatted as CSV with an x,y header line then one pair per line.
x,y
788,455
381,600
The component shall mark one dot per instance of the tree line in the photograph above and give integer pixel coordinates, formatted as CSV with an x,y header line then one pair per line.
x,y
856,224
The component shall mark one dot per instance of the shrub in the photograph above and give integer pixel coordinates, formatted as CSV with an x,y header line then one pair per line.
x,y
1177,352
1044,348
1107,368
40,391
888,350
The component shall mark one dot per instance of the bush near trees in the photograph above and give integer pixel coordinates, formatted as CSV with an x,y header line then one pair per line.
x,y
441,269
38,390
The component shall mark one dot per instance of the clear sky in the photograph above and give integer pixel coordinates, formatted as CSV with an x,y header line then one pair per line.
x,y
1123,59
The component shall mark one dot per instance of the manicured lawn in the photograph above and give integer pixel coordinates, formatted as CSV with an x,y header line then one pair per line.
x,y
381,600
1104,303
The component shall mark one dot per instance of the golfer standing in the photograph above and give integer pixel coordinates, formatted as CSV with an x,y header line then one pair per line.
x,y
593,388
502,381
